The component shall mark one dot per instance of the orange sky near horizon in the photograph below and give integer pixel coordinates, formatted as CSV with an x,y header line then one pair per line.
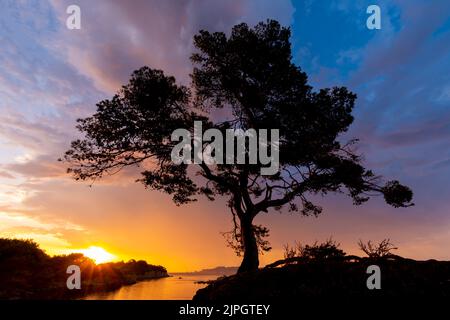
x,y
133,223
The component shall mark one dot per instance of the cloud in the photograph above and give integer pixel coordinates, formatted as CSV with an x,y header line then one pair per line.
x,y
12,220
401,73
50,233
7,175
52,243
44,166
118,37
8,220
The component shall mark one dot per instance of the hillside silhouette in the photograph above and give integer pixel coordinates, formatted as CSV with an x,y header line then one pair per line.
x,y
27,272
324,270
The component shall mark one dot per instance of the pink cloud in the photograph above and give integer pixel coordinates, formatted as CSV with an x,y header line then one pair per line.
x,y
118,37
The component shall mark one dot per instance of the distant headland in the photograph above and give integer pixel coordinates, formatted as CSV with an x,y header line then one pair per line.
x,y
220,271
27,272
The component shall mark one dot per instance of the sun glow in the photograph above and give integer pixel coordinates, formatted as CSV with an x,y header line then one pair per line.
x,y
99,255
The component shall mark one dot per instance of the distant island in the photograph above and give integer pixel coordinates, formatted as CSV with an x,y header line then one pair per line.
x,y
220,271
27,272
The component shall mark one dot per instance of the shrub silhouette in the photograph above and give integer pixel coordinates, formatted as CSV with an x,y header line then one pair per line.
x,y
325,250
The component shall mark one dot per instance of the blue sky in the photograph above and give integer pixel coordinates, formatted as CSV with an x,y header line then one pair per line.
x,y
49,76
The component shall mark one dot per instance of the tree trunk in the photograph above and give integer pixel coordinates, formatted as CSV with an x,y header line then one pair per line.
x,y
250,261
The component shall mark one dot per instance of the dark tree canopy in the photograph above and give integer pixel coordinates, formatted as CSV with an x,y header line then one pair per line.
x,y
249,74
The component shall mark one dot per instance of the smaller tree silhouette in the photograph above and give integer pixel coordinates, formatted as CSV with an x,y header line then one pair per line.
x,y
379,250
319,251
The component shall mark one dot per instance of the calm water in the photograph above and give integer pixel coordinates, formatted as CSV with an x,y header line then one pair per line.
x,y
157,289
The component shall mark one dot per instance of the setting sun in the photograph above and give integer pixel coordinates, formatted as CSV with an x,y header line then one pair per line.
x,y
99,255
